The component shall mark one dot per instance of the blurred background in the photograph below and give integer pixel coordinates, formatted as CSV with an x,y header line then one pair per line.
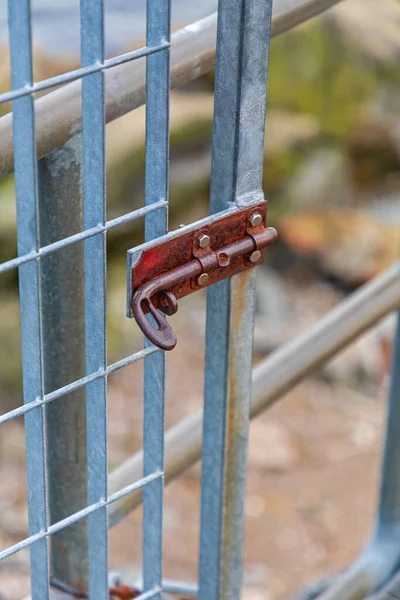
x,y
332,179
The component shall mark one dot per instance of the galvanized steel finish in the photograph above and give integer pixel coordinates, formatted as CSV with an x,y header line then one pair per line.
x,y
61,200
236,174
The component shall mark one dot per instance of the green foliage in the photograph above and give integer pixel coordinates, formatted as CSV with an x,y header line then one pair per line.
x,y
314,71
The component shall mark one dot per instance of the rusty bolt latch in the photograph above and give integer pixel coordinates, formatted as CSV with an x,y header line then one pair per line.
x,y
177,267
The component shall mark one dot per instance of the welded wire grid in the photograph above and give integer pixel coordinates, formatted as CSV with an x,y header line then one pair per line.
x,y
28,261
244,30
242,60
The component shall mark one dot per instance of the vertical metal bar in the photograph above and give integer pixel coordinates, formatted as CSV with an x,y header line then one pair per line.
x,y
29,287
389,504
92,50
60,209
244,28
157,157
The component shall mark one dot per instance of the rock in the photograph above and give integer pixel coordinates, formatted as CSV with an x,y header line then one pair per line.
x,y
190,123
286,130
373,151
367,361
385,209
373,27
323,179
346,243
384,109
272,326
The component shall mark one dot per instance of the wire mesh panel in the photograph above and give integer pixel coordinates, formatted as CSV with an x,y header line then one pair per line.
x,y
40,291
61,202
61,262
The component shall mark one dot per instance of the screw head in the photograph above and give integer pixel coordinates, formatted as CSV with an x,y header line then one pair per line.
x,y
255,256
204,241
202,279
255,220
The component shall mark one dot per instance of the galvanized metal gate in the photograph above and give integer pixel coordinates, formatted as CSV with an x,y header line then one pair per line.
x,y
61,202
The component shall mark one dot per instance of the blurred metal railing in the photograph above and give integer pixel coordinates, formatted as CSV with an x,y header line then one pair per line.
x,y
60,203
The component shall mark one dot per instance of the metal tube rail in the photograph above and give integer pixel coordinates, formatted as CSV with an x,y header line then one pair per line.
x,y
273,377
381,556
58,115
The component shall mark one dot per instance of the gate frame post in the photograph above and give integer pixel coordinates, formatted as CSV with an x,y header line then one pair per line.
x,y
244,30
63,325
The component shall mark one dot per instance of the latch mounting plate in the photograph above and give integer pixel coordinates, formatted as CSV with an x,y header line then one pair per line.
x,y
182,262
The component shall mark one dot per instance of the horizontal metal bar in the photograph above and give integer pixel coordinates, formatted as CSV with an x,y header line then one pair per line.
x,y
180,587
81,236
75,385
273,377
132,358
59,114
128,489
82,72
74,518
149,594
21,410
135,214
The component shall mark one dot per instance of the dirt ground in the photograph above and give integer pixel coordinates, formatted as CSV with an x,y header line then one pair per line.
x,y
312,479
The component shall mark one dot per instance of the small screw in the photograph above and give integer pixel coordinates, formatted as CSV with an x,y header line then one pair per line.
x,y
202,279
204,241
255,220
255,256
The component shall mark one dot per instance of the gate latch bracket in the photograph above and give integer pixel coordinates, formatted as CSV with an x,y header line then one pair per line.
x,y
184,261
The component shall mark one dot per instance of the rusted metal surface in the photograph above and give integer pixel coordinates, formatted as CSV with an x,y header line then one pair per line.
x,y
58,115
194,260
119,592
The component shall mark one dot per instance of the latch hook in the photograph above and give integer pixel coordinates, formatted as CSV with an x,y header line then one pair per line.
x,y
163,336
228,246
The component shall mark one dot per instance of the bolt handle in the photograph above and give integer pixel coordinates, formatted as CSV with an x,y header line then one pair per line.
x,y
157,328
